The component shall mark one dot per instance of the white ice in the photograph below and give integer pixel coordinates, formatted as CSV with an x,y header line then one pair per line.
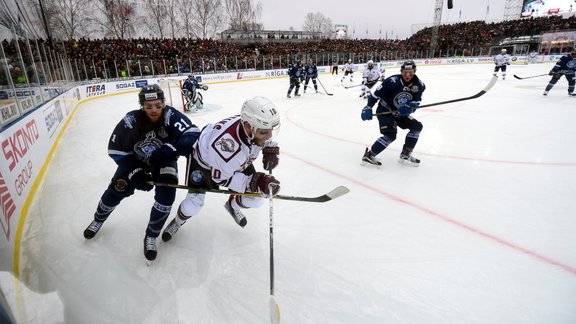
x,y
482,232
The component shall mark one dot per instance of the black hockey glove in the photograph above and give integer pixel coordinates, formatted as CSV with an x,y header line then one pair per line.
x,y
163,155
270,157
261,183
140,179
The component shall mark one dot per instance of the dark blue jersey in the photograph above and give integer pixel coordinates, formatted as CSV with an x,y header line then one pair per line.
x,y
136,138
395,92
566,64
295,71
190,85
311,70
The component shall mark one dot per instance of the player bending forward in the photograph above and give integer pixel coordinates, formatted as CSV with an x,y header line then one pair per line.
x,y
370,77
189,89
223,156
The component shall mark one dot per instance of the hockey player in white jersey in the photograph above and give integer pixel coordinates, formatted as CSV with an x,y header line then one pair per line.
x,y
501,60
370,77
348,70
223,156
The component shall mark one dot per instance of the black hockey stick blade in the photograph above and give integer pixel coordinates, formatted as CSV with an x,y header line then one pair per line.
x,y
328,93
335,193
530,77
479,94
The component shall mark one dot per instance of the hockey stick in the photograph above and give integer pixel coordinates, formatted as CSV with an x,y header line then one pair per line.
x,y
330,94
530,77
479,94
352,86
274,308
333,194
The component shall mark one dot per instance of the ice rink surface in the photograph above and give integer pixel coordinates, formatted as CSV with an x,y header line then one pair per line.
x,y
482,232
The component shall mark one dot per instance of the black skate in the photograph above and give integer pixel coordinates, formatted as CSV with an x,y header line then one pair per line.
x,y
408,159
92,229
370,159
170,230
238,216
150,248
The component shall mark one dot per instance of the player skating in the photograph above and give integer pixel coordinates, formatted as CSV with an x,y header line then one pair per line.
x,y
566,66
501,61
311,73
398,96
348,70
296,75
223,156
145,145
370,77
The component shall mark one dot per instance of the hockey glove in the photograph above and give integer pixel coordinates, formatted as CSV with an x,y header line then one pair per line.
x,y
366,113
261,183
404,111
140,179
270,157
163,155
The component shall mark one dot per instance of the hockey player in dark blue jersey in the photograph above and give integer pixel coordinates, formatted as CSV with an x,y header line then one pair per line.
x,y
145,145
311,72
398,96
296,74
189,90
566,66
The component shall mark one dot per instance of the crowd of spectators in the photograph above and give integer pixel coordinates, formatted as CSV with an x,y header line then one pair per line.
x,y
111,58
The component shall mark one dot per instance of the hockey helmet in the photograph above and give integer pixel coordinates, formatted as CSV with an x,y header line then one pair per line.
x,y
503,51
408,65
349,60
150,92
191,77
260,113
370,63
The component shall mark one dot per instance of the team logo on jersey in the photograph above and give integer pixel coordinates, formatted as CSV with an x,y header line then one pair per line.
x,y
144,148
120,185
571,64
226,145
402,99
415,88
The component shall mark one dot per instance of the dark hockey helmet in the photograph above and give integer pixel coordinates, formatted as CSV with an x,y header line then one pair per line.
x,y
191,77
150,92
408,65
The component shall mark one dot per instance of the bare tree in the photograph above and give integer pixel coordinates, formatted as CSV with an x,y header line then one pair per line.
x,y
118,17
243,14
68,19
186,12
317,22
155,12
173,11
208,16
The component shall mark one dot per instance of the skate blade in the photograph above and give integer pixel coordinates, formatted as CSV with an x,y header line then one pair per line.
x,y
408,163
370,165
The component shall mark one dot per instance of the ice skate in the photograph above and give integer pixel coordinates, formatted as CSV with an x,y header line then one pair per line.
x,y
573,94
545,93
370,159
239,218
170,230
408,159
92,229
288,96
150,248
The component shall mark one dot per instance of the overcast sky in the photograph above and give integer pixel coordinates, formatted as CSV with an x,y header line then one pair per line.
x,y
396,17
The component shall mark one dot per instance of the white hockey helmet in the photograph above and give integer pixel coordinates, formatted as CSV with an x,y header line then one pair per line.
x,y
504,51
370,63
349,60
261,113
